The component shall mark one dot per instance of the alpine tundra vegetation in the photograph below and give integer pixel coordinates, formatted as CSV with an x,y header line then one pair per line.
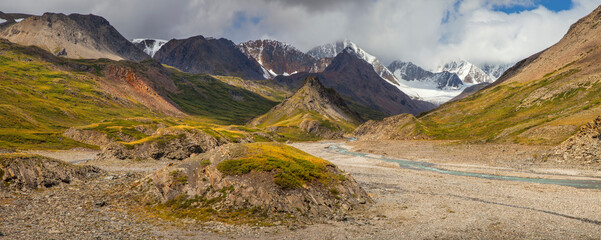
x,y
273,119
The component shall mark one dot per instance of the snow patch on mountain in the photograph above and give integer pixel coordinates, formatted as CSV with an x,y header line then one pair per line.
x,y
149,46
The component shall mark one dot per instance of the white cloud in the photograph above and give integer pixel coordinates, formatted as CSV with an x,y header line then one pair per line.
x,y
425,32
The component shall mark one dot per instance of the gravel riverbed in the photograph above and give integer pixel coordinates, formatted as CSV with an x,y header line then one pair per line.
x,y
409,204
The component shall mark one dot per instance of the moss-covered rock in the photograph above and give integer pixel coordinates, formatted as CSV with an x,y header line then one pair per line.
x,y
254,180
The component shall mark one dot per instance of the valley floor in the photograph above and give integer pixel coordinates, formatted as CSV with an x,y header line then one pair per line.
x,y
409,204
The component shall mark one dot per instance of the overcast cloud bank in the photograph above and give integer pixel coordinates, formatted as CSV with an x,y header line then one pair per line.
x,y
427,32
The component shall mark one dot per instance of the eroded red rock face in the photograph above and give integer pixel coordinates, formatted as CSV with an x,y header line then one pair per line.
x,y
128,83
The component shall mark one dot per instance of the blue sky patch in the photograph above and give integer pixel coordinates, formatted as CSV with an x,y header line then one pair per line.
x,y
241,18
553,5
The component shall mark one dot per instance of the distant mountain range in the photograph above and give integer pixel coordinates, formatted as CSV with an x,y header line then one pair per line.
x,y
89,36
424,85
357,81
277,58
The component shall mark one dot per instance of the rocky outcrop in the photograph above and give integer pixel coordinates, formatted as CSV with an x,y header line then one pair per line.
x,y
582,148
210,56
73,36
88,136
200,182
166,144
399,127
29,172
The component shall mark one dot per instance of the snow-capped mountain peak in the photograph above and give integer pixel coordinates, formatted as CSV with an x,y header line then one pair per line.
x,y
495,70
330,50
467,72
149,46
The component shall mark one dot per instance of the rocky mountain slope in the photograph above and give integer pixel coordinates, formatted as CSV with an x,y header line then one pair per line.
x,y
149,46
355,80
210,56
277,57
421,84
313,110
73,36
543,99
467,72
331,50
583,147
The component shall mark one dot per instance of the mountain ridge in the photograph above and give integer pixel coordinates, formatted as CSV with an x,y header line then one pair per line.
x,y
73,36
208,55
277,57
331,50
313,109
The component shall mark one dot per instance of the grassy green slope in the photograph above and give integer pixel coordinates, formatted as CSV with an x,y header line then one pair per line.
x,y
515,112
209,99
41,96
38,101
